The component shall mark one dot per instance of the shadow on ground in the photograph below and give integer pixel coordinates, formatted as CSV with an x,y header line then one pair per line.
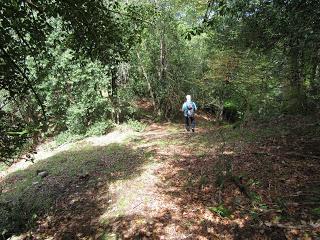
x,y
67,203
194,197
278,167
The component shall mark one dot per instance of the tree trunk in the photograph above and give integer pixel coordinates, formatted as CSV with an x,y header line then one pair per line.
x,y
220,111
314,78
163,62
297,94
144,72
162,65
115,114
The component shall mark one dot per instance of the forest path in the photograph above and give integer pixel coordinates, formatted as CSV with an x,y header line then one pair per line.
x,y
163,183
146,205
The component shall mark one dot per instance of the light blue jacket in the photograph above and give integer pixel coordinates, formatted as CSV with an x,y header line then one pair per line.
x,y
185,108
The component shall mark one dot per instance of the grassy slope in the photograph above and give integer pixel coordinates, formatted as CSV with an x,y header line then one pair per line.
x,y
26,196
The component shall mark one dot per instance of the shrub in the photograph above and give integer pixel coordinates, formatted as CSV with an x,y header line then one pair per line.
x,y
230,111
76,116
100,128
67,137
136,125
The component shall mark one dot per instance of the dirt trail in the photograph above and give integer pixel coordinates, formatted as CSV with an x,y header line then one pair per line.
x,y
151,206
169,196
140,208
134,208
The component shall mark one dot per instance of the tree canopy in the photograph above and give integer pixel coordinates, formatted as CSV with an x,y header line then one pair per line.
x,y
69,66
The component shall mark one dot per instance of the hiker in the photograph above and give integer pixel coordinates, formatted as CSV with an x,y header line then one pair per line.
x,y
189,109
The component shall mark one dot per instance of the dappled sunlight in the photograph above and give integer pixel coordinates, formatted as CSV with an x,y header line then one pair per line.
x,y
164,120
157,205
113,137
70,196
44,151
135,195
190,180
160,184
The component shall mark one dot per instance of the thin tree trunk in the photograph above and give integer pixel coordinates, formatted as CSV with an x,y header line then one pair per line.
x,y
314,79
144,72
114,96
114,89
162,66
296,76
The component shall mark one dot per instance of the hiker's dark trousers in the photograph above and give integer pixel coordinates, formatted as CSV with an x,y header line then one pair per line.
x,y
190,121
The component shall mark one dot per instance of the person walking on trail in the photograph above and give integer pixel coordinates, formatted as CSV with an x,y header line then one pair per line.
x,y
189,108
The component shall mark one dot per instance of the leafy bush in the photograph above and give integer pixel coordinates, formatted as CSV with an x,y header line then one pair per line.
x,y
75,119
100,128
316,211
67,137
136,125
230,111
13,136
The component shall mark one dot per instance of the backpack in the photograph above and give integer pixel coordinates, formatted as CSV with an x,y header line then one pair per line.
x,y
190,109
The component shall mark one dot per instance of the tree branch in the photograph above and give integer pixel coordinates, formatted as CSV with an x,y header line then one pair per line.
x,y
28,81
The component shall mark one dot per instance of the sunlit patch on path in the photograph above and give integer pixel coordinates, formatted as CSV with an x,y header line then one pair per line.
x,y
141,207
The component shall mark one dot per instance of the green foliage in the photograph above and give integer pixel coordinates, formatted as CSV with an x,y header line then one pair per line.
x,y
100,128
74,87
256,198
13,135
221,210
136,125
67,137
68,66
277,27
316,211
165,65
57,62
